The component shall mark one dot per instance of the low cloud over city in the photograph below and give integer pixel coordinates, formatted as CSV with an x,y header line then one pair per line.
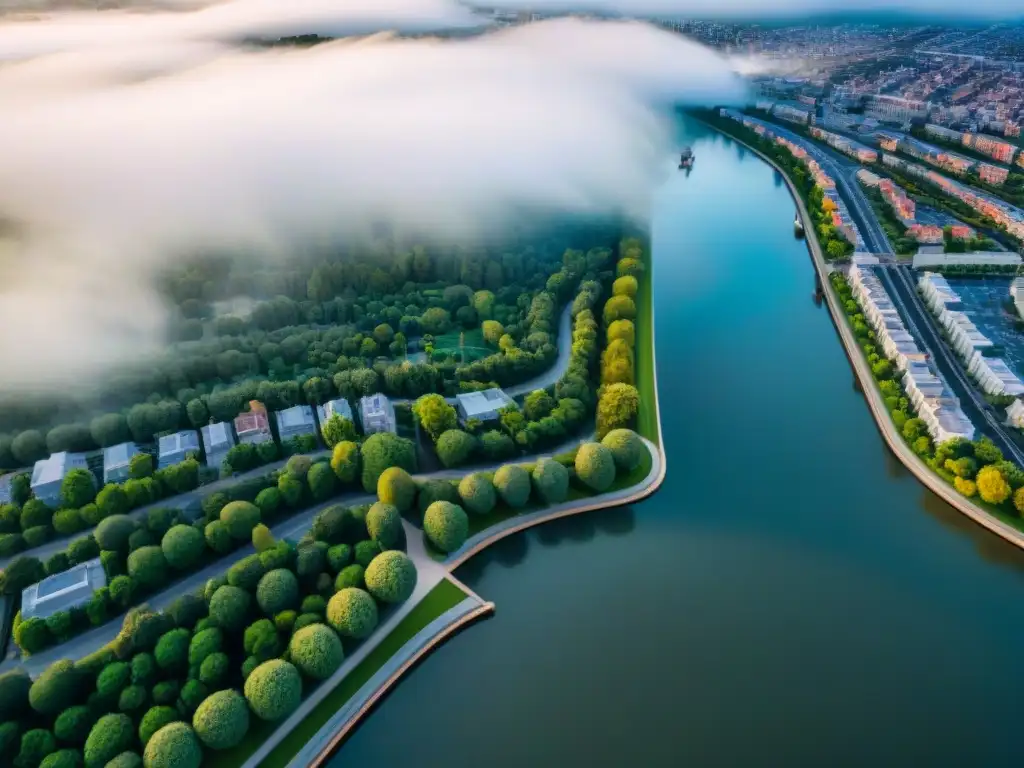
x,y
129,144
756,9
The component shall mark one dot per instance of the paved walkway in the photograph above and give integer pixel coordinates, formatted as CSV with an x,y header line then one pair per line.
x,y
391,667
292,528
518,523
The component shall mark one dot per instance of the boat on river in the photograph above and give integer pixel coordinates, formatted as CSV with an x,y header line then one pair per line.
x,y
798,225
686,158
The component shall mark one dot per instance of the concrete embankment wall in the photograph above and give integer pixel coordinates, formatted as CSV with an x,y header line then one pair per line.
x,y
872,395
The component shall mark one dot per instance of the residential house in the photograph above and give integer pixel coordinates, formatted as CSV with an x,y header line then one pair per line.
x,y
116,462
332,407
253,426
1015,414
295,421
926,234
63,591
377,414
48,474
994,148
1017,294
174,449
993,174
994,375
482,406
218,439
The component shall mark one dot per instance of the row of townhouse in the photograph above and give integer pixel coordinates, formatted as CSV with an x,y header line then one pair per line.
x,y
846,146
251,427
992,373
901,205
905,210
944,159
932,400
788,112
941,158
998,150
1009,216
935,404
840,214
987,145
892,193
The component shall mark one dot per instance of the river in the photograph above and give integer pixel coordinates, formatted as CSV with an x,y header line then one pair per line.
x,y
791,596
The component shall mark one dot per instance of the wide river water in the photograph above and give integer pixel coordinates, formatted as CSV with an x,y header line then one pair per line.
x,y
790,597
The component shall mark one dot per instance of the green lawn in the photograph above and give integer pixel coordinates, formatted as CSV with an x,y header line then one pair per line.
x,y
442,597
647,418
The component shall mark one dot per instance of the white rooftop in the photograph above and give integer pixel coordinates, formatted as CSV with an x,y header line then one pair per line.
x,y
488,400
339,406
54,468
296,416
185,440
119,455
218,434
374,404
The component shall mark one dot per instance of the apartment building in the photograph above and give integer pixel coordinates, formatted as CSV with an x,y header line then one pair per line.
x,y
994,148
901,205
792,114
1017,294
992,174
994,375
945,134
926,234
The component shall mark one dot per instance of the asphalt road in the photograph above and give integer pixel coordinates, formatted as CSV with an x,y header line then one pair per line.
x,y
844,171
925,329
184,501
293,528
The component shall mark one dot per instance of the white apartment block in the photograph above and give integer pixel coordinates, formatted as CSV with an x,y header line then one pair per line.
x,y
994,375
1017,294
1015,414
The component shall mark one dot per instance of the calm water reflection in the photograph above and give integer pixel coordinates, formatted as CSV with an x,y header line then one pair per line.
x,y
791,597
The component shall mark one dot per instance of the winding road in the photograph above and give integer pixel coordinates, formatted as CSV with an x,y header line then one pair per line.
x,y
193,498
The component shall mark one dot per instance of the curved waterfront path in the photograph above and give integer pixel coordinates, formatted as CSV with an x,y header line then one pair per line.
x,y
322,746
292,528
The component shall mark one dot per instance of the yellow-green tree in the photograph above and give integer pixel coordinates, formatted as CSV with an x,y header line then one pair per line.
x,y
625,286
1018,500
992,486
262,538
966,487
622,330
435,414
493,331
617,407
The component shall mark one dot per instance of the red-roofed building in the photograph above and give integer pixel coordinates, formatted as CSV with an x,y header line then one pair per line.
x,y
992,174
253,426
926,234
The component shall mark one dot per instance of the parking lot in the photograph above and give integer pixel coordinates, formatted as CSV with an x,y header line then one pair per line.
x,y
984,302
926,215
